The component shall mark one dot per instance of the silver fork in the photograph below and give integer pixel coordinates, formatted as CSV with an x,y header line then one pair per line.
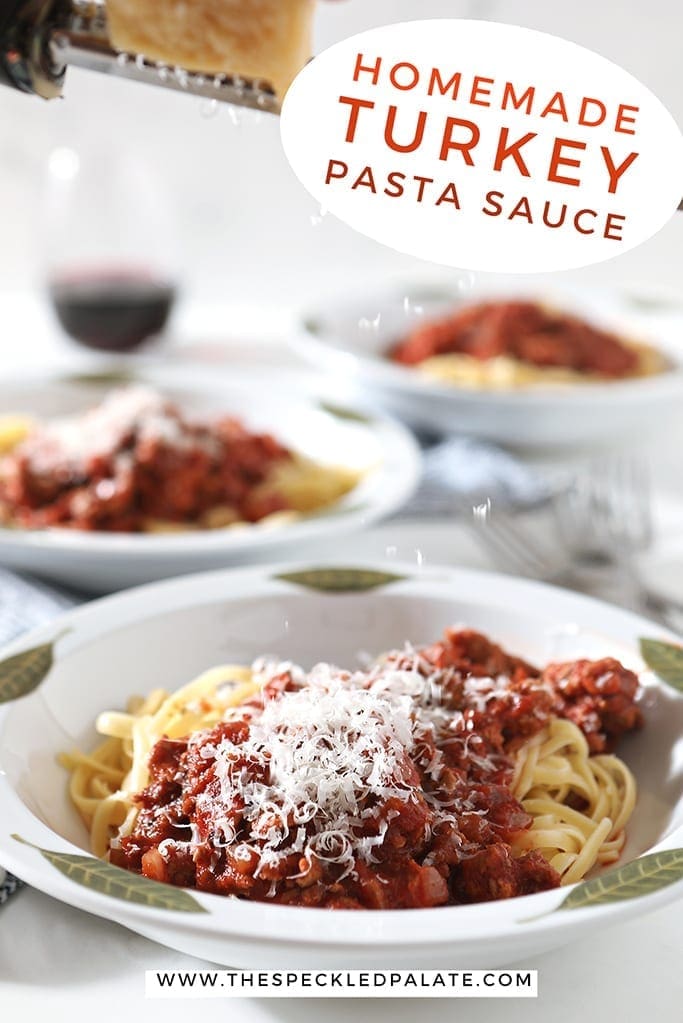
x,y
625,526
519,542
606,514
601,519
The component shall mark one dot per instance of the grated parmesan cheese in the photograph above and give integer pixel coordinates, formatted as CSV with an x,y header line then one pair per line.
x,y
326,755
71,442
329,751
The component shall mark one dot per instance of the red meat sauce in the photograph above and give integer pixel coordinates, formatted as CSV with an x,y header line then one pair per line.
x,y
524,331
421,862
169,470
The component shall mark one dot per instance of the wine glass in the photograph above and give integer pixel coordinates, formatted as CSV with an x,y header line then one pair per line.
x,y
110,253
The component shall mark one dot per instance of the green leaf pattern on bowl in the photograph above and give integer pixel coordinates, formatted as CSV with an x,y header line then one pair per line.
x,y
631,881
23,672
100,876
665,659
340,580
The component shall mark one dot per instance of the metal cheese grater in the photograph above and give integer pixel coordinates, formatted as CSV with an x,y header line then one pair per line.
x,y
39,39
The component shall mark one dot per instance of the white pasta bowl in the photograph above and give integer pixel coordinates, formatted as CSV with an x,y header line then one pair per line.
x,y
381,451
349,339
164,634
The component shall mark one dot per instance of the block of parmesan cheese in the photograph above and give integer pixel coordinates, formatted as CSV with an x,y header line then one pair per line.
x,y
267,39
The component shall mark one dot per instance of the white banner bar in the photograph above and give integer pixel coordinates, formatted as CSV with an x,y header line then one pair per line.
x,y
342,984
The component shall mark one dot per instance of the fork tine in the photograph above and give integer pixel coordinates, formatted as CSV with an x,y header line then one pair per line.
x,y
513,541
603,517
514,545
627,513
504,557
642,502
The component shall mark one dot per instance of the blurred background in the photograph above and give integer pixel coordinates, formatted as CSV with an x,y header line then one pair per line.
x,y
246,231
201,196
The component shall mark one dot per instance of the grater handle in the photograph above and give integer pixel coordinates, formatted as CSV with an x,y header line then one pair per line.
x,y
25,61
8,19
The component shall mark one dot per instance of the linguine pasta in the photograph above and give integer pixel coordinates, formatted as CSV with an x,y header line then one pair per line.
x,y
324,756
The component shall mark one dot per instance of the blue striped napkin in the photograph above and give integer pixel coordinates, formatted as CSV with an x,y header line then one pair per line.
x,y
24,604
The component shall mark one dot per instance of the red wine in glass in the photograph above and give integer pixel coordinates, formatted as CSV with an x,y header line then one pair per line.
x,y
112,310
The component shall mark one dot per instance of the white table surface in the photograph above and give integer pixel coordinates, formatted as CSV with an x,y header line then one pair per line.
x,y
60,962
64,963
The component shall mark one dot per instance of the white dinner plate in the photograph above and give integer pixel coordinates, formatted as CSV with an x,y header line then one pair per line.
x,y
166,633
383,451
349,338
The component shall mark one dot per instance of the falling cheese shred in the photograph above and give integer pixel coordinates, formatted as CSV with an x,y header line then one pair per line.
x,y
257,39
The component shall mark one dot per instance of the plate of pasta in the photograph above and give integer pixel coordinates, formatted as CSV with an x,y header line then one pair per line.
x,y
529,368
347,766
108,481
